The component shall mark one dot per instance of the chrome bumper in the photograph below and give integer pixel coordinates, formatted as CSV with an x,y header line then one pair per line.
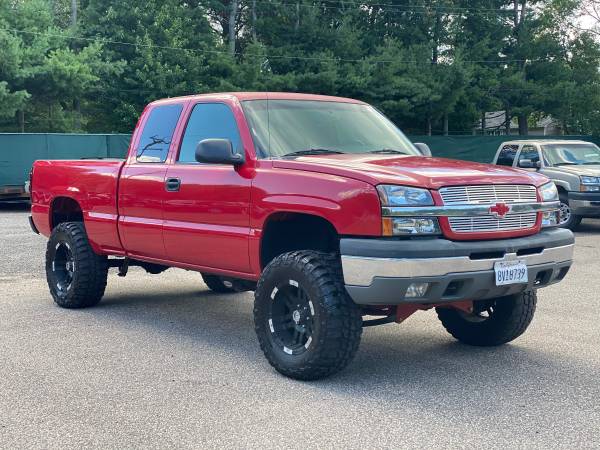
x,y
382,271
360,270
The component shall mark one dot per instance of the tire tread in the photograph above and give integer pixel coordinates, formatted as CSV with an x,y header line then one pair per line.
x,y
516,313
342,326
92,269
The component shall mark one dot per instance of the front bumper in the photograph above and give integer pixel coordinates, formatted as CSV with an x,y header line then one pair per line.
x,y
379,271
585,204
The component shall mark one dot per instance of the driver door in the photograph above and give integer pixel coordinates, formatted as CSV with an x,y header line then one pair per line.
x,y
206,207
529,152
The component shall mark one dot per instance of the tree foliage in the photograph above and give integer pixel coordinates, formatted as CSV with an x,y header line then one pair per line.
x,y
432,66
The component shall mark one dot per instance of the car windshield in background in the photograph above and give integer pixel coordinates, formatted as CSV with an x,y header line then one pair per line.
x,y
571,154
303,127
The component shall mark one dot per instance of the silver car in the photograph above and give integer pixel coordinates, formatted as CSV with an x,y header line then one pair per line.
x,y
574,166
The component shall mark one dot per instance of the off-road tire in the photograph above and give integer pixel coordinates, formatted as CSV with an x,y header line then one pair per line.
x,y
510,318
574,220
90,270
336,319
216,284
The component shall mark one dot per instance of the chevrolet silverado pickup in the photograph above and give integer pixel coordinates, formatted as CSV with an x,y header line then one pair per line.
x,y
574,166
318,204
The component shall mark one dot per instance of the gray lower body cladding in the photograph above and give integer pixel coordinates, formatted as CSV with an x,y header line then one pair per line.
x,y
585,204
379,271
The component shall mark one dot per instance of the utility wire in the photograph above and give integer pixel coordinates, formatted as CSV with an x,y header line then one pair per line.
x,y
448,10
292,57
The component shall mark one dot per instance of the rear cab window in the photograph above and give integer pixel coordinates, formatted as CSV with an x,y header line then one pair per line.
x,y
153,145
507,154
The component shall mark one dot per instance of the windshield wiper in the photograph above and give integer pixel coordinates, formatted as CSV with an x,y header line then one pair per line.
x,y
591,163
313,151
389,151
567,164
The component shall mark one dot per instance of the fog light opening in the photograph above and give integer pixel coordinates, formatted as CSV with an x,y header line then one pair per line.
x,y
416,290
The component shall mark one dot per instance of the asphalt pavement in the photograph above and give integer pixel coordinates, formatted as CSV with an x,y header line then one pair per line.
x,y
163,362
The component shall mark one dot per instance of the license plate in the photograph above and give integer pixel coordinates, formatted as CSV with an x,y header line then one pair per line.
x,y
510,272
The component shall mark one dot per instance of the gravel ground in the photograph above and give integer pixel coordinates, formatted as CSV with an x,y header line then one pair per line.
x,y
162,362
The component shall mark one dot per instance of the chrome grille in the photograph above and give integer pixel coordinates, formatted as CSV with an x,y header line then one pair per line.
x,y
490,194
469,195
491,223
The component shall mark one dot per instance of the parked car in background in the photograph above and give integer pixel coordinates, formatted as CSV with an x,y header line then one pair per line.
x,y
574,166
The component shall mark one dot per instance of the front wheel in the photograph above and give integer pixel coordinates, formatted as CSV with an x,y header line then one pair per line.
x,y
76,275
492,322
567,218
307,325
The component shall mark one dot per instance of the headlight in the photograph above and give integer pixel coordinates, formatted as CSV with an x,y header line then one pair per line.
x,y
590,180
550,219
391,195
548,192
410,226
399,196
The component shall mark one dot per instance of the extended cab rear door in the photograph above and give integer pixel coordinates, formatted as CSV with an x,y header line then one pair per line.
x,y
207,207
142,182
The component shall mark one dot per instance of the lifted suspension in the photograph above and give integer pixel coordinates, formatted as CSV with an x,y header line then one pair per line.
x,y
399,313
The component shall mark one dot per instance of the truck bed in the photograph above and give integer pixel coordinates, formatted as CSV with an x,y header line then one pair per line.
x,y
92,183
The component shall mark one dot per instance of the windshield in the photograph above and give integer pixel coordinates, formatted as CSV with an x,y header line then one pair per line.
x,y
283,127
571,154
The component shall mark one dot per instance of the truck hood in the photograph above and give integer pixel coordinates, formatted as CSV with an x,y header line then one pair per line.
x,y
590,170
432,173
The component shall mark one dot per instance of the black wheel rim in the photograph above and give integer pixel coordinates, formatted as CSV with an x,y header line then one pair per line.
x,y
63,267
291,318
482,311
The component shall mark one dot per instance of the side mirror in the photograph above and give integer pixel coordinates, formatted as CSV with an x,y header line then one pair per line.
x,y
217,151
529,164
423,148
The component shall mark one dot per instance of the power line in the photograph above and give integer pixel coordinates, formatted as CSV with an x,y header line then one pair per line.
x,y
289,57
448,10
409,7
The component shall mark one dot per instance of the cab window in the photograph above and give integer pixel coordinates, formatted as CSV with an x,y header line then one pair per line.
x,y
507,154
529,152
208,121
153,146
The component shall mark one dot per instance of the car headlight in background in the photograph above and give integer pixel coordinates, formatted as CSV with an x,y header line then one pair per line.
x,y
590,180
391,195
548,192
590,184
404,196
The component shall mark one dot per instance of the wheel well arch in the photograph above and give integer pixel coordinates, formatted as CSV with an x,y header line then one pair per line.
x,y
288,231
65,209
561,189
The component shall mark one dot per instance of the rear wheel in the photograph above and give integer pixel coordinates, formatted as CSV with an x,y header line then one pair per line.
x,y
307,325
492,322
567,218
76,275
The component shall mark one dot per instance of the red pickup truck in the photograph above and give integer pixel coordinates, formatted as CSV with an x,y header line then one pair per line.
x,y
318,204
